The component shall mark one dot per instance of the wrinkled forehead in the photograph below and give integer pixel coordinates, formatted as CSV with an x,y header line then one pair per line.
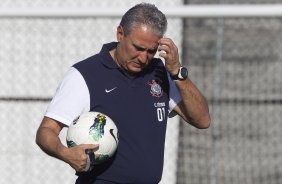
x,y
144,37
145,27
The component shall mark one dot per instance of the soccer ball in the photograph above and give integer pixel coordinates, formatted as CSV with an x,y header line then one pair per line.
x,y
94,128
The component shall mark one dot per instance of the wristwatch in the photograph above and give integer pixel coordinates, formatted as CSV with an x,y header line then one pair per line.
x,y
181,75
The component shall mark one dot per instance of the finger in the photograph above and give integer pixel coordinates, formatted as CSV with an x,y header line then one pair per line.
x,y
166,41
167,44
163,54
163,47
93,147
168,48
90,160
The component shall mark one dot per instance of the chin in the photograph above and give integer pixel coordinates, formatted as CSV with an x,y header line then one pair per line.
x,y
135,69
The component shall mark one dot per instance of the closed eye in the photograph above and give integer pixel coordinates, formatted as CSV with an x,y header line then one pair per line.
x,y
139,48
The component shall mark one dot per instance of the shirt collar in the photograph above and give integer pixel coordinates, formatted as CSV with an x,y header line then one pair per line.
x,y
108,61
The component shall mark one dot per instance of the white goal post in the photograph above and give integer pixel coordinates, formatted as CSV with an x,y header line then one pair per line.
x,y
188,11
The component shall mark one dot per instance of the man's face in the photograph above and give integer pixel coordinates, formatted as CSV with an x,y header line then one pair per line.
x,y
136,50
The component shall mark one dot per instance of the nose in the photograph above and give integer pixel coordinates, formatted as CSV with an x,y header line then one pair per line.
x,y
143,57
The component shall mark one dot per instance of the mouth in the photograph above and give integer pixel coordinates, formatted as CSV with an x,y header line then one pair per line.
x,y
138,64
136,67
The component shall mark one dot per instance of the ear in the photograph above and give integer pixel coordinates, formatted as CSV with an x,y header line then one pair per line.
x,y
120,33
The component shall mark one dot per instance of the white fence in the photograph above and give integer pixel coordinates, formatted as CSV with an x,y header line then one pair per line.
x,y
188,11
37,47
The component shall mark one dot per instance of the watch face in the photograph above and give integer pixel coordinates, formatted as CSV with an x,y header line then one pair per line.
x,y
181,75
183,72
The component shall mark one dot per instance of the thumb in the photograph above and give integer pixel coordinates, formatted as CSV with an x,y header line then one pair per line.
x,y
89,151
90,147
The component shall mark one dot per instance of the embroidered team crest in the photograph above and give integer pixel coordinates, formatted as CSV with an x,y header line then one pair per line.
x,y
156,89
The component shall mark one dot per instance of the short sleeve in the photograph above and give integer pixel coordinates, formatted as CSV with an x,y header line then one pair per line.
x,y
71,98
175,97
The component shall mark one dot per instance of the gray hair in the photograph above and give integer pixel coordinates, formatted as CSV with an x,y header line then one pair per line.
x,y
144,14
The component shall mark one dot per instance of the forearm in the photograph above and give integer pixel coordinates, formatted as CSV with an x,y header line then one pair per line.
x,y
47,138
193,107
49,142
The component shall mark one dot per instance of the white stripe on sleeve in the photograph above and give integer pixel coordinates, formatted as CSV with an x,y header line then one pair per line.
x,y
175,97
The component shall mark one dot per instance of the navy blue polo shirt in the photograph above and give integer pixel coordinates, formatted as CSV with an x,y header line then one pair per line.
x,y
138,104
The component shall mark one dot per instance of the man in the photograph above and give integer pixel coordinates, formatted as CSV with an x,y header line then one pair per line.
x,y
138,91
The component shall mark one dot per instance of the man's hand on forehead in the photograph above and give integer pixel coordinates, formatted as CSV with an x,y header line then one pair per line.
x,y
169,51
